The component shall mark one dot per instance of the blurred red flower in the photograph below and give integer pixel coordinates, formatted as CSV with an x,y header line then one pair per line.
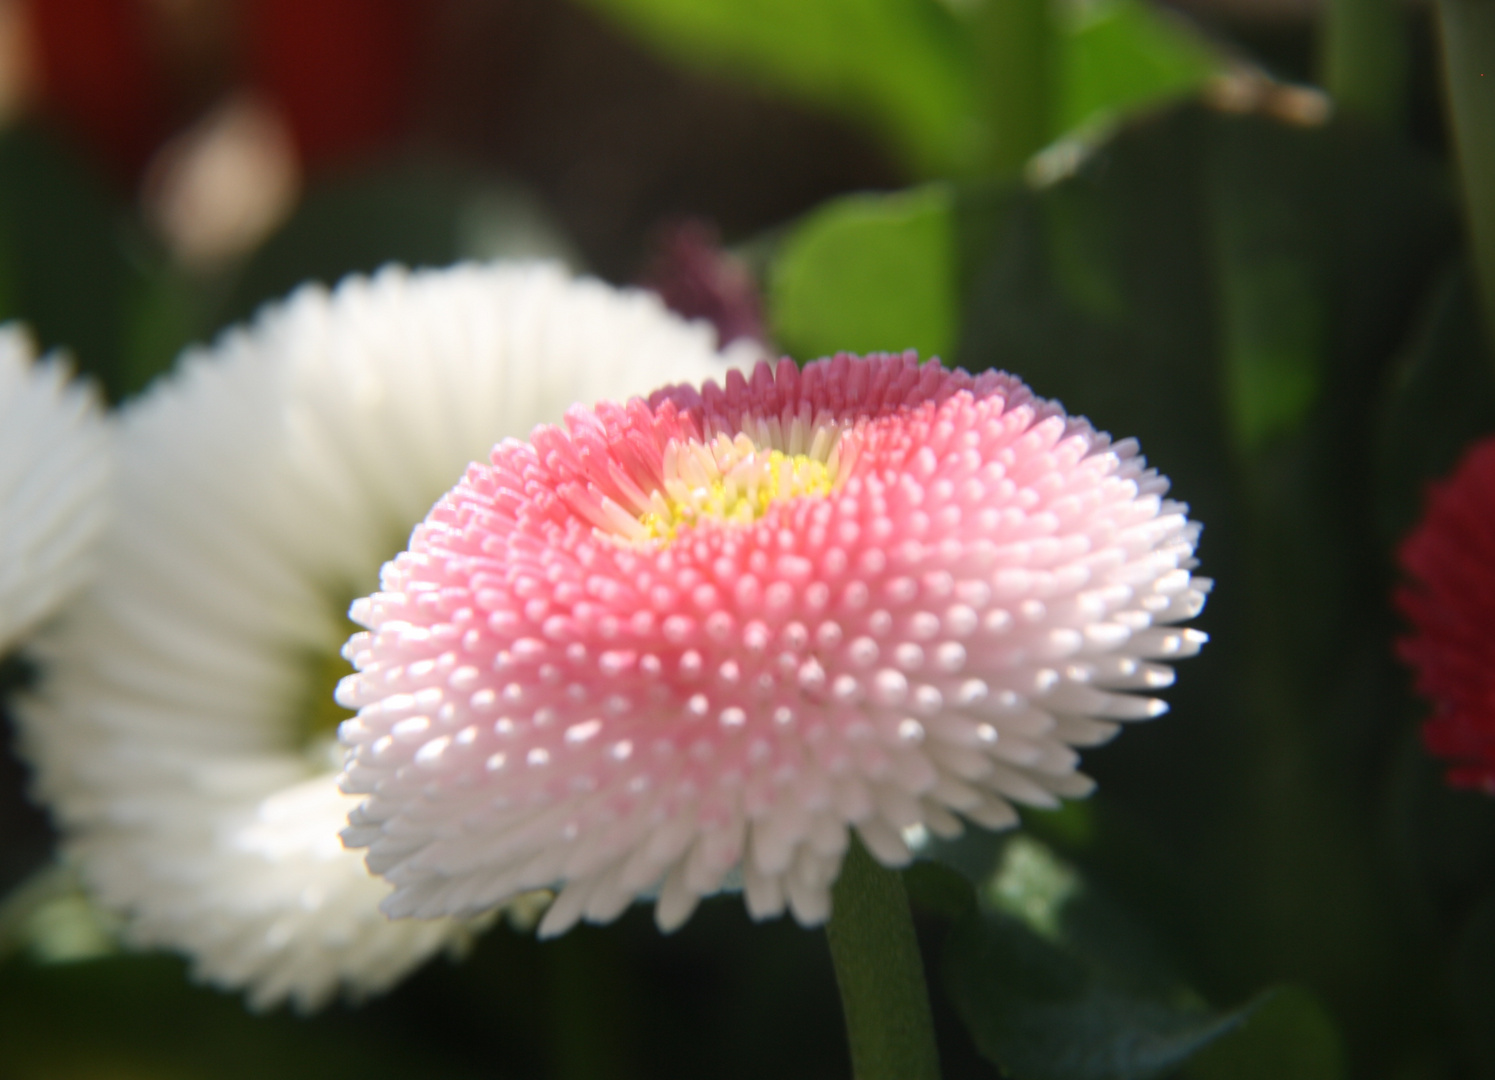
x,y
124,75
99,78
1450,602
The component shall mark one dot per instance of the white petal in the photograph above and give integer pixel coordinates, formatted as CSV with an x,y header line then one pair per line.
x,y
55,463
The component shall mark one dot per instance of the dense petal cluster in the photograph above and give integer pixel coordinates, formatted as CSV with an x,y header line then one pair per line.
x,y
185,738
54,466
709,632
1450,557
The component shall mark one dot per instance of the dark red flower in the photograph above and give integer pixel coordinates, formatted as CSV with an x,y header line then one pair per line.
x,y
123,75
100,77
1450,601
342,71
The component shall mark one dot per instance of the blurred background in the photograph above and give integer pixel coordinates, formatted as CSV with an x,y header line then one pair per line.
x,y
1193,224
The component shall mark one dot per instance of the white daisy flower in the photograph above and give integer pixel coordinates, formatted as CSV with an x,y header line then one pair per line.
x,y
186,738
54,464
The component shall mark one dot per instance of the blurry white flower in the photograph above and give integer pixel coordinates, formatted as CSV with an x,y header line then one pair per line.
x,y
54,464
185,736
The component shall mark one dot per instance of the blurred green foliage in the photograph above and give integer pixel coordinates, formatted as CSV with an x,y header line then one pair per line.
x,y
1121,55
85,276
722,997
1289,1036
917,72
1057,983
869,273
143,1020
1276,311
64,263
1274,881
902,65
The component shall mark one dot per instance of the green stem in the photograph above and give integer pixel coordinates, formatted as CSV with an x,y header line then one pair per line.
x,y
1015,57
880,974
1365,59
1468,28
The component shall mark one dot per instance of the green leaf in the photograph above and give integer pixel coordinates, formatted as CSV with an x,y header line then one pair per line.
x,y
1054,983
1289,1036
903,66
869,273
1273,306
1122,55
916,71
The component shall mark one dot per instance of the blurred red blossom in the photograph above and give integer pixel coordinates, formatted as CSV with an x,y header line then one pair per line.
x,y
124,75
99,78
1450,601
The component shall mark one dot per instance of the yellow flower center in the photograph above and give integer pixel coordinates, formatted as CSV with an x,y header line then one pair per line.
x,y
316,714
730,480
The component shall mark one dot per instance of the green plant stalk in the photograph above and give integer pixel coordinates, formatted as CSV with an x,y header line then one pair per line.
x,y
1468,29
1365,59
1015,57
880,974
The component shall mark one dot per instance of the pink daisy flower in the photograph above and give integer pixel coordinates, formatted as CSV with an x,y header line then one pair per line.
x,y
709,633
1451,605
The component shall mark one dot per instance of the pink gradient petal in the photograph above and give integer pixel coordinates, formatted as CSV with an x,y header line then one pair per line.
x,y
550,697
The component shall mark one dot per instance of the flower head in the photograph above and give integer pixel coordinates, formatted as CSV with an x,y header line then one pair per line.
x,y
1450,557
185,738
54,465
711,631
